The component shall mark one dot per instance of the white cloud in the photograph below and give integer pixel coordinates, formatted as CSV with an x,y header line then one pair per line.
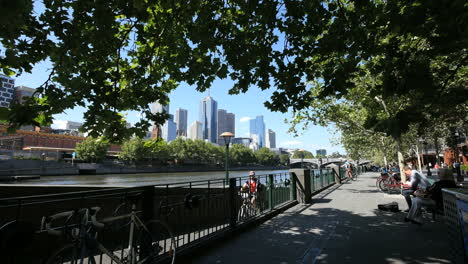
x,y
247,134
244,119
59,124
291,143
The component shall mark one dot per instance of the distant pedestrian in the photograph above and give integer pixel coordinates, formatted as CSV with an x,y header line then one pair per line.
x,y
436,166
429,173
456,167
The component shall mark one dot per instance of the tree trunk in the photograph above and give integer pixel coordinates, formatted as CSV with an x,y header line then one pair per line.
x,y
419,158
436,145
401,163
384,151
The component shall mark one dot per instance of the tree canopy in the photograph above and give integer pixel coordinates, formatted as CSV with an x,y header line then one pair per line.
x,y
92,149
115,56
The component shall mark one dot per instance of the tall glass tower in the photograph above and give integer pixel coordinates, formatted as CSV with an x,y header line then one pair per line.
x,y
257,127
208,118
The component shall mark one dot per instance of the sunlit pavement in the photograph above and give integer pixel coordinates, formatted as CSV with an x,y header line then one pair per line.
x,y
343,225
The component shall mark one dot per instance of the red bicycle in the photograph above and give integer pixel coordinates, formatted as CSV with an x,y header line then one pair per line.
x,y
391,183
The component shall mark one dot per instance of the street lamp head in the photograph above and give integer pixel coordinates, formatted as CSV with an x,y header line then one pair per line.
x,y
227,137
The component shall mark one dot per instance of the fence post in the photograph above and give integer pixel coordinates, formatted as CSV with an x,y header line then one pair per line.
x,y
293,187
148,203
270,194
232,202
312,177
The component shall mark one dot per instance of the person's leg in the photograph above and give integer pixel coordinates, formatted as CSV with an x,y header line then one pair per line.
x,y
407,194
415,208
415,211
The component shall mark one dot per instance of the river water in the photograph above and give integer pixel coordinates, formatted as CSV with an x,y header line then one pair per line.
x,y
139,179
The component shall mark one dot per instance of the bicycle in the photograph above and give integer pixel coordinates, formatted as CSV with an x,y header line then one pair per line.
x,y
147,243
392,183
247,209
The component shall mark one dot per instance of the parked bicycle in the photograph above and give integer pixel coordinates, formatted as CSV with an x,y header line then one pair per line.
x,y
391,183
149,242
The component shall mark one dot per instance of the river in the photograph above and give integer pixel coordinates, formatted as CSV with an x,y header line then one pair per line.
x,y
138,179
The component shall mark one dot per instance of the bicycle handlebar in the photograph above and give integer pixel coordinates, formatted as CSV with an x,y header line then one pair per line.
x,y
46,223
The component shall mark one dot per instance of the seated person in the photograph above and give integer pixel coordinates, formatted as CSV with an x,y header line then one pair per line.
x,y
417,180
434,200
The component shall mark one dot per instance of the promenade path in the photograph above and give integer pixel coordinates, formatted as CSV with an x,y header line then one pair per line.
x,y
342,225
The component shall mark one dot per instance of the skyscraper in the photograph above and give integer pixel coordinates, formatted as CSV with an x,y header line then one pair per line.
x,y
196,130
270,139
181,122
257,127
208,118
156,107
7,85
169,129
226,123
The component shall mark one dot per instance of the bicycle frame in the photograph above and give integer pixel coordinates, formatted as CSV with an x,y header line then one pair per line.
x,y
134,220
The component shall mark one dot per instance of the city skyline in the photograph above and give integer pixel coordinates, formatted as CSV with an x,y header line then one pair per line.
x,y
245,106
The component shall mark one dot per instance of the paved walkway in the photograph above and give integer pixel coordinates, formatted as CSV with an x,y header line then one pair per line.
x,y
342,225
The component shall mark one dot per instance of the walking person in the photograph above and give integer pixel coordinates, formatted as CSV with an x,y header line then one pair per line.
x,y
417,180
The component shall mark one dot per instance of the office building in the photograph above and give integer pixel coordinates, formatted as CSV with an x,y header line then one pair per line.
x,y
22,93
208,112
70,125
169,129
257,129
321,152
156,107
226,123
242,141
7,85
196,130
270,139
181,122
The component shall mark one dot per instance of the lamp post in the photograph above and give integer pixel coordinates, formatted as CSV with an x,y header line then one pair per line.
x,y
227,139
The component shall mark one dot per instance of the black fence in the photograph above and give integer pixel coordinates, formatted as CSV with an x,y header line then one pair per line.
x,y
194,211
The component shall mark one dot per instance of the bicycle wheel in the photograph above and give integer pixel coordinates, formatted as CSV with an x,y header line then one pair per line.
x,y
354,176
383,186
242,213
156,243
70,254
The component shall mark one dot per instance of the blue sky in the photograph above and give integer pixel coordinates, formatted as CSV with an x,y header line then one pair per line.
x,y
244,106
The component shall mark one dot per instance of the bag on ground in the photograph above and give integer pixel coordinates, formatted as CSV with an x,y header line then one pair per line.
x,y
389,207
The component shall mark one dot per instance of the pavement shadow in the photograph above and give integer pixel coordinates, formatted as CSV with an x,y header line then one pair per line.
x,y
328,235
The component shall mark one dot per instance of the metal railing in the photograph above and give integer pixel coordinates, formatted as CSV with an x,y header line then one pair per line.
x,y
194,211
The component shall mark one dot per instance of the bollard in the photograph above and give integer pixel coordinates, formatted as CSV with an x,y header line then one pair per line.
x,y
232,203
